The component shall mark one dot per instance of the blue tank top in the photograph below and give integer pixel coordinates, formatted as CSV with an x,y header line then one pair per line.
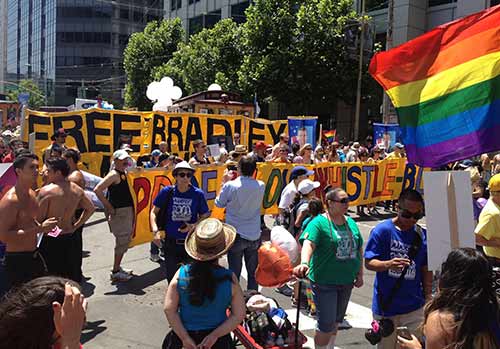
x,y
210,314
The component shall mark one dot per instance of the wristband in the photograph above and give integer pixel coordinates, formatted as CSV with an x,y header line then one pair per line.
x,y
304,263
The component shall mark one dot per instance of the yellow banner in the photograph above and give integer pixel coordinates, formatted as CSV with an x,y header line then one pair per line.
x,y
364,182
96,133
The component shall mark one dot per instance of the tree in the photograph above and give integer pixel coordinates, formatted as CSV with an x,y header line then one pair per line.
x,y
212,55
295,52
145,51
37,98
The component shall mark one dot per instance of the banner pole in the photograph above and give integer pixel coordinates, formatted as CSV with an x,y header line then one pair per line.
x,y
452,212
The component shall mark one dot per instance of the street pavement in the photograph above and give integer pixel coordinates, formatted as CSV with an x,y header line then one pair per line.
x,y
130,315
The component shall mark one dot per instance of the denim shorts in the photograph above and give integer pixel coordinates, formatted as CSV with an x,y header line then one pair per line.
x,y
331,304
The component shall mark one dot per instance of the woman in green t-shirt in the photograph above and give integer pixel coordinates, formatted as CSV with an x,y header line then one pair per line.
x,y
332,260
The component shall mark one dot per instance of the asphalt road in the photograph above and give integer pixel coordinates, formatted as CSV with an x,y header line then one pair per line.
x,y
130,315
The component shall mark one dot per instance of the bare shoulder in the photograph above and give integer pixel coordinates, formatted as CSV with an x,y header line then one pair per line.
x,y
76,188
439,325
9,200
47,189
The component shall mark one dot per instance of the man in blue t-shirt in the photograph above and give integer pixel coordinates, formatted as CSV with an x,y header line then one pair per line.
x,y
185,207
387,252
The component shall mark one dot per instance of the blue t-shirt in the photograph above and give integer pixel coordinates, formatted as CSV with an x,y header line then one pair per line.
x,y
211,313
182,208
385,243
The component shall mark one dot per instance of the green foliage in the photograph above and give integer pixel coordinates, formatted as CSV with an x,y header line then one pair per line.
x,y
37,98
212,55
294,51
145,51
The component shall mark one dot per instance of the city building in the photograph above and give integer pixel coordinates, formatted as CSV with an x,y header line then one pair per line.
x,y
415,17
3,43
73,48
199,14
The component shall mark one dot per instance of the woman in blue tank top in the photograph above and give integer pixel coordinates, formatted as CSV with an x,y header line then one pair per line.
x,y
200,293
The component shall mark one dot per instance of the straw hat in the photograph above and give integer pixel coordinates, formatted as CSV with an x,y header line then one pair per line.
x,y
241,149
210,239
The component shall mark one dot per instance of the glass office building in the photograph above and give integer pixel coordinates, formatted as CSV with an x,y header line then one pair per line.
x,y
74,48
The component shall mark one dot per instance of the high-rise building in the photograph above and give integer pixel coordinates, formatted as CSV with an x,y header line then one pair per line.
x,y
74,48
199,14
415,17
3,43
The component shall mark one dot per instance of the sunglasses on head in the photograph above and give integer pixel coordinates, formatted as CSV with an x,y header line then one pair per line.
x,y
407,214
342,201
185,174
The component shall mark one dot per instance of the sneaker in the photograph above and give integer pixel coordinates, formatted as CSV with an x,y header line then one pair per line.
x,y
154,258
285,290
120,276
344,325
126,271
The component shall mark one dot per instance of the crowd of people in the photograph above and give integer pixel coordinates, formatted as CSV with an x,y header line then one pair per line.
x,y
41,229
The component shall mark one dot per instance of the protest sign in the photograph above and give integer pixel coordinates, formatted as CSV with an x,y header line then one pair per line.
x,y
364,182
449,214
386,135
302,130
7,178
96,133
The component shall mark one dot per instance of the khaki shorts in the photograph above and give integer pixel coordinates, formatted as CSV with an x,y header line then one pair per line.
x,y
121,225
411,320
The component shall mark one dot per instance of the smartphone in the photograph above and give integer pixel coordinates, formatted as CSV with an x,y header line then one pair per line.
x,y
404,332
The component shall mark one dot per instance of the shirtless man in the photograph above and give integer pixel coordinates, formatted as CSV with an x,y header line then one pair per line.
x,y
72,157
19,226
61,198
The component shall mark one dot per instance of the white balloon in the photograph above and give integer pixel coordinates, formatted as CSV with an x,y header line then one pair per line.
x,y
153,91
214,87
167,82
175,92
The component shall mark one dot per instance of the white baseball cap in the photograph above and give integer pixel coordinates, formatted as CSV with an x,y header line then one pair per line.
x,y
120,154
307,186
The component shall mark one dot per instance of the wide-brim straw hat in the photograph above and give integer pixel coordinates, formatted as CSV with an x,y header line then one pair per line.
x,y
210,239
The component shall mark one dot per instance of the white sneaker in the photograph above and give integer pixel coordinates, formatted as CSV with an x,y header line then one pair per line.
x,y
155,258
120,276
126,271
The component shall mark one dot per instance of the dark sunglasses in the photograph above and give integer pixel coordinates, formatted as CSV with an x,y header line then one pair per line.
x,y
407,214
342,201
185,174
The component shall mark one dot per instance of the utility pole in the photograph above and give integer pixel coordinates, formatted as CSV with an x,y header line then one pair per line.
x,y
386,103
360,71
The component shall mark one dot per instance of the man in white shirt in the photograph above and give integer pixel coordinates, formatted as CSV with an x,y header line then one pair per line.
x,y
242,198
298,174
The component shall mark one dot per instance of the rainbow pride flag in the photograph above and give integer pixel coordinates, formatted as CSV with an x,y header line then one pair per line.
x,y
329,135
445,86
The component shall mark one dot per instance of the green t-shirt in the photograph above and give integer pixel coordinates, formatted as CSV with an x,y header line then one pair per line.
x,y
336,259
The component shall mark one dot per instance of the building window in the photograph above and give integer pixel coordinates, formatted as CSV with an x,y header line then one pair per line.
x,y
212,18
238,11
124,14
440,2
195,24
193,1
373,5
175,4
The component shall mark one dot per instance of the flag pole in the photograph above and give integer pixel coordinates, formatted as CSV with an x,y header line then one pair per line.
x,y
360,71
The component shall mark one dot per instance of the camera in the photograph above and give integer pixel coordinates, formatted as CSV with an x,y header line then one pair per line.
x,y
380,328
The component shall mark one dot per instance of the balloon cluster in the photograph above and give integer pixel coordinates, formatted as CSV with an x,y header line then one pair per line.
x,y
163,92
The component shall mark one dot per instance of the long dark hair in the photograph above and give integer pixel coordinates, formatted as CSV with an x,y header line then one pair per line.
x,y
26,314
203,282
465,290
